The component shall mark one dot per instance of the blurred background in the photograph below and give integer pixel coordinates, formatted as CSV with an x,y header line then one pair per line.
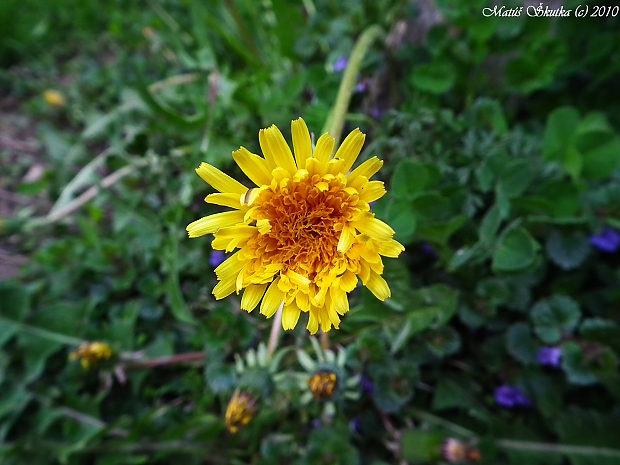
x,y
500,139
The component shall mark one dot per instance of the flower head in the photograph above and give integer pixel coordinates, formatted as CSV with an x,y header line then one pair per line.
x,y
91,353
550,356
607,241
305,233
241,409
54,98
509,396
323,384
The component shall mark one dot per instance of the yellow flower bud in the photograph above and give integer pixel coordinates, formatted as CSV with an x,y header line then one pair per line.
x,y
241,409
91,353
54,98
323,384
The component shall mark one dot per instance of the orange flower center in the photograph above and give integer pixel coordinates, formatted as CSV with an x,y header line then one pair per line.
x,y
306,217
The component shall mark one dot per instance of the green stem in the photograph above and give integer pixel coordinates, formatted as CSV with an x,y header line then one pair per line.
x,y
335,121
43,333
558,448
513,444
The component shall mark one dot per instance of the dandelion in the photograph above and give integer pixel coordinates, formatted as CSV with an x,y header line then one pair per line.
x,y
305,233
54,98
242,407
91,353
323,384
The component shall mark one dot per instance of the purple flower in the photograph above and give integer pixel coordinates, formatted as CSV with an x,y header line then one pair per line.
x,y
550,356
510,396
607,241
355,425
316,423
368,387
362,86
376,113
428,250
216,257
340,64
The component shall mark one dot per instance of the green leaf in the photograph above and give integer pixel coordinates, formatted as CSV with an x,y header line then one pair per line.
x,y
400,216
588,364
559,133
602,331
490,225
516,251
568,251
521,344
555,316
601,153
411,177
419,446
14,300
394,383
436,78
443,342
515,178
431,306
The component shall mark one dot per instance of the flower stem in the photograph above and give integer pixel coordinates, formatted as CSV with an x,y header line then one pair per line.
x,y
274,335
335,121
164,361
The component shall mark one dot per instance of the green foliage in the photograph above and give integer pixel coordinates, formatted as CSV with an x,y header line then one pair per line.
x,y
501,151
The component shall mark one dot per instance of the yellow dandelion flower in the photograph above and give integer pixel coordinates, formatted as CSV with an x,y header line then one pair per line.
x,y
305,233
323,384
91,353
241,409
54,98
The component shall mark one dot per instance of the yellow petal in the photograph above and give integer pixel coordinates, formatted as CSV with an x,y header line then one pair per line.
x,y
290,316
390,248
252,295
373,227
279,149
229,267
224,288
302,145
219,180
313,322
303,301
253,166
298,279
264,146
367,169
373,190
324,148
210,224
347,236
350,148
378,286
226,200
274,297
348,281
339,300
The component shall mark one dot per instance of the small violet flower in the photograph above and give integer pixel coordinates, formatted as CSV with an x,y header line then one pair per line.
x,y
340,64
509,396
607,241
368,387
216,257
550,356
